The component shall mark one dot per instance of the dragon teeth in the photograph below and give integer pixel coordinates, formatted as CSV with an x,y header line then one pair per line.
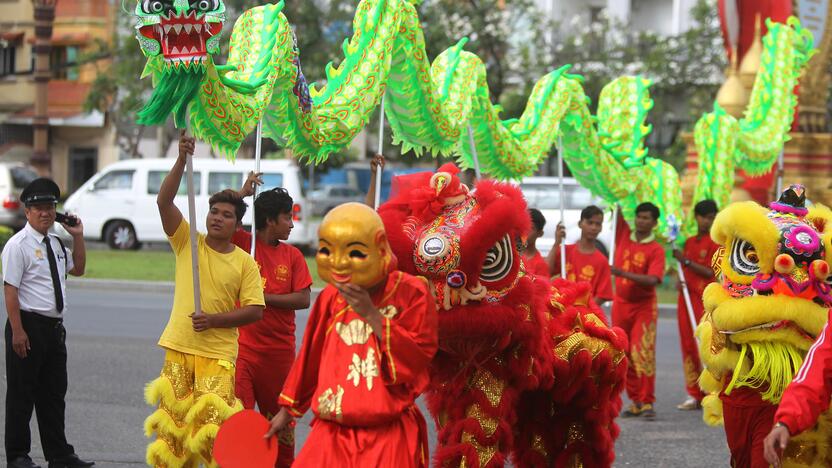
x,y
177,28
193,49
167,28
198,28
174,51
188,28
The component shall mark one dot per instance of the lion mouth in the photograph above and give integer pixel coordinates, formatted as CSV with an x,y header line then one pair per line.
x,y
772,327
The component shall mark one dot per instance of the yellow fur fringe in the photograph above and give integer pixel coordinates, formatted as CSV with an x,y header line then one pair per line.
x,y
161,421
160,392
712,410
159,455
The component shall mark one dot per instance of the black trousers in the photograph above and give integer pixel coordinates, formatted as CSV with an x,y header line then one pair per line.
x,y
38,382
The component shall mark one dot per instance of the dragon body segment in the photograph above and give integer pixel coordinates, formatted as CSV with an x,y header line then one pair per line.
x,y
431,106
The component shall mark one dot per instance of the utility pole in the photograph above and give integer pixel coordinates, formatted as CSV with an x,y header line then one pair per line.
x,y
44,20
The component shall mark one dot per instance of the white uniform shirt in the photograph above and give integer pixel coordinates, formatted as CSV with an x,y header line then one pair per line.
x,y
26,267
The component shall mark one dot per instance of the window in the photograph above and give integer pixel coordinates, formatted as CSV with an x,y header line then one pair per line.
x,y
116,180
218,181
155,178
82,166
21,176
7,58
62,62
270,181
547,197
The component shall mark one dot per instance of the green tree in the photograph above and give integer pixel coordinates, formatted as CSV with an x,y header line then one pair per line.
x,y
686,70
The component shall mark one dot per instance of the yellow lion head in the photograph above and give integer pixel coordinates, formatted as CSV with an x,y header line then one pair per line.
x,y
772,296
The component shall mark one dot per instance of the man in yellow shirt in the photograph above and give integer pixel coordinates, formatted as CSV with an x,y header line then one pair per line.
x,y
195,391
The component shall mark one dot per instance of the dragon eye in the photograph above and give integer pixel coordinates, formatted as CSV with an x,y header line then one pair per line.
x,y
744,258
205,5
498,261
153,7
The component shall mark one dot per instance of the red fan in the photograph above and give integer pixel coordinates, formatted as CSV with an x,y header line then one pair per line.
x,y
240,442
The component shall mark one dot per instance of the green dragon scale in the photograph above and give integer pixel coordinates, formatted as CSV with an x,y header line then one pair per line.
x,y
430,106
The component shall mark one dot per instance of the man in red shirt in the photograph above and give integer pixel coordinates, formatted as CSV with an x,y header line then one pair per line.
x,y
535,263
584,262
696,263
639,268
267,347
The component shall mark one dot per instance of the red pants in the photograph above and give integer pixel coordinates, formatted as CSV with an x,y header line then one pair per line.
x,y
638,320
402,443
748,420
690,352
259,379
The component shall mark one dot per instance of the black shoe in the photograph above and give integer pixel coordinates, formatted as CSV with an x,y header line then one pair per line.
x,y
648,412
70,461
22,462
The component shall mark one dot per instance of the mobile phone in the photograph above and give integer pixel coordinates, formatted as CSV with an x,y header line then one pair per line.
x,y
66,219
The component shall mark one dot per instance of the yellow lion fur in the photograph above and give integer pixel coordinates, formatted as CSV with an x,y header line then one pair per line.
x,y
756,357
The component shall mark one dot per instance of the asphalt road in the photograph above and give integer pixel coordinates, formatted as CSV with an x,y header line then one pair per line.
x,y
112,354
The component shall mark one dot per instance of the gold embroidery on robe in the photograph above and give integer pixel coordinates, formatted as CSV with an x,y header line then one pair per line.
x,y
355,332
329,403
366,368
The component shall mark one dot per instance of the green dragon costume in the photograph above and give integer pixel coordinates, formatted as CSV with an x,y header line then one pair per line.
x,y
429,106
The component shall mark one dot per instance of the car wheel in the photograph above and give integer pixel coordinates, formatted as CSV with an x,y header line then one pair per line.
x,y
120,235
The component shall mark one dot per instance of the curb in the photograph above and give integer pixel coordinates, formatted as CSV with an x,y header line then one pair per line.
x,y
665,310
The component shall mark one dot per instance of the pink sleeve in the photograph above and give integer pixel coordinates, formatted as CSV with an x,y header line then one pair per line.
x,y
808,394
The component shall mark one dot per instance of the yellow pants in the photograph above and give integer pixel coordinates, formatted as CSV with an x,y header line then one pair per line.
x,y
194,395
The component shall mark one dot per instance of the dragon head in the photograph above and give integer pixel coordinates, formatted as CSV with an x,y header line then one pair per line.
x,y
184,32
772,296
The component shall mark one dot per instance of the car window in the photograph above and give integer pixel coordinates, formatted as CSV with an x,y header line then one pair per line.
x,y
352,192
21,176
547,197
155,178
218,181
270,181
115,180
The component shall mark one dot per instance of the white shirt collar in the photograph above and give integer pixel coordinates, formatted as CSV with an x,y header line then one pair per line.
x,y
33,232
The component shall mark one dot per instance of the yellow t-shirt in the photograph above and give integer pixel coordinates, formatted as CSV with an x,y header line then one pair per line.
x,y
224,281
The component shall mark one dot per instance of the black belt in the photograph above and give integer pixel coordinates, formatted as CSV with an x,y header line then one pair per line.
x,y
37,316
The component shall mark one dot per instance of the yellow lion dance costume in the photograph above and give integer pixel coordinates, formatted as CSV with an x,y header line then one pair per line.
x,y
762,315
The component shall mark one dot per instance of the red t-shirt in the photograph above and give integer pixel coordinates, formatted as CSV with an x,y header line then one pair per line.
x,y
701,250
592,268
643,258
283,271
537,265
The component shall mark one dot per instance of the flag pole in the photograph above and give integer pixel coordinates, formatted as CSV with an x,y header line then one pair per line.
x,y
562,209
377,200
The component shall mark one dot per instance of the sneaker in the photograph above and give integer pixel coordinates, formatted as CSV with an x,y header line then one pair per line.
x,y
647,411
690,404
635,410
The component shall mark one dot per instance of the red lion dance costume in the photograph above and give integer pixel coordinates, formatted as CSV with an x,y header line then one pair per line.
x,y
525,367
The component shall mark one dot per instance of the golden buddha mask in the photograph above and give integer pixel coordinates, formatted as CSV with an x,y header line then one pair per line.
x,y
353,247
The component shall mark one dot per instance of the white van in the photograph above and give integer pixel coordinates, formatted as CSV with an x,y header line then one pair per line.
x,y
118,204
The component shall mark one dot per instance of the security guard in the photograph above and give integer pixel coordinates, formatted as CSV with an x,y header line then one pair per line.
x,y
35,265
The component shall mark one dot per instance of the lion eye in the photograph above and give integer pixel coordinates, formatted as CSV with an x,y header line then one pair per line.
x,y
498,261
744,258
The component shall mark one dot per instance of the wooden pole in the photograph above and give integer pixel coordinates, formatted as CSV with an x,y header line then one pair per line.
x,y
192,220
379,169
257,152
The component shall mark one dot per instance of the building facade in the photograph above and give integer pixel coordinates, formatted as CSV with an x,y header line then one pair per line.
x,y
79,143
